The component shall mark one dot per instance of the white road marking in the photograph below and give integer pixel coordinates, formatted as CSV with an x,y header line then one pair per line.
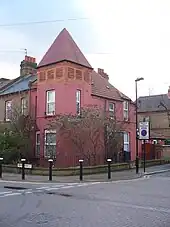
x,y
42,188
1,193
10,194
27,182
58,186
133,206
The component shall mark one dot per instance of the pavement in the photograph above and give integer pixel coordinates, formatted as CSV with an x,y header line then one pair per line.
x,y
141,202
119,175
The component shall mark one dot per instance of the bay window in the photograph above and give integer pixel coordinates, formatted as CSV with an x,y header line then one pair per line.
x,y
50,144
78,102
50,102
37,148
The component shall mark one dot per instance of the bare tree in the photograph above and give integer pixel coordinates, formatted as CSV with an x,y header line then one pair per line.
x,y
165,107
90,133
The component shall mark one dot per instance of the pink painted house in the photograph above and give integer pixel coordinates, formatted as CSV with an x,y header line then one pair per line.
x,y
66,82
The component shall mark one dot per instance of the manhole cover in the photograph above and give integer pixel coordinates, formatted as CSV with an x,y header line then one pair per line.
x,y
15,188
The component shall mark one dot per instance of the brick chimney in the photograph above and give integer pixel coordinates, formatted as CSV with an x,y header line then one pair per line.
x,y
168,93
28,66
103,74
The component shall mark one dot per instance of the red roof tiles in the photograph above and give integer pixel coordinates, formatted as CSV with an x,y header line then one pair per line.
x,y
64,48
101,87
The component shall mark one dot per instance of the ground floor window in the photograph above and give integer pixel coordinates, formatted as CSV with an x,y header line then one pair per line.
x,y
50,144
126,145
37,148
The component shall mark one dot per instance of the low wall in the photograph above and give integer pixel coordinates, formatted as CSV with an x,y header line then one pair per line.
x,y
86,170
166,152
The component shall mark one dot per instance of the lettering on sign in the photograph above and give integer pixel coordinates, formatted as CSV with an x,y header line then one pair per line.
x,y
50,74
70,73
78,74
27,166
42,76
87,77
59,73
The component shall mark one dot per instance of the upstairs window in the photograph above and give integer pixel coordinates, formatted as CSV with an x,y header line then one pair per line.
x,y
50,102
8,110
78,102
111,109
23,106
126,110
50,144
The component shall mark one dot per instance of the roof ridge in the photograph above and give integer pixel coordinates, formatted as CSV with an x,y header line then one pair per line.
x,y
100,87
151,95
14,81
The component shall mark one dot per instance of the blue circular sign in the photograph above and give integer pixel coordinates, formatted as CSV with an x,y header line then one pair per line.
x,y
143,132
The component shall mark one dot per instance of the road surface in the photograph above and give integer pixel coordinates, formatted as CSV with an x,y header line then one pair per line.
x,y
144,202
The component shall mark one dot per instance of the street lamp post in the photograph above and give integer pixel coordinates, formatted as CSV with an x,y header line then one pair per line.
x,y
137,131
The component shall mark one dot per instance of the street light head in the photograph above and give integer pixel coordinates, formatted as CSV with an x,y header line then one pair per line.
x,y
139,79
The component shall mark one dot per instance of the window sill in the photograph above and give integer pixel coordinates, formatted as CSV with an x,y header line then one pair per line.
x,y
127,120
49,115
7,121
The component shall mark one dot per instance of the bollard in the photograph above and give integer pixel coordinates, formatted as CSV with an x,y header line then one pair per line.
x,y
1,159
50,169
81,169
137,164
109,167
23,168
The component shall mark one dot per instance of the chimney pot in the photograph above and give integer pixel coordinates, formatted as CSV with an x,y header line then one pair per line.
x,y
103,74
28,66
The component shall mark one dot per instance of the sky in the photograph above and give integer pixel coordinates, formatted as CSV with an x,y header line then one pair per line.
x,y
128,39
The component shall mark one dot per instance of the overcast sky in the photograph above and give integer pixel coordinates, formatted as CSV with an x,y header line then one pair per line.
x,y
128,38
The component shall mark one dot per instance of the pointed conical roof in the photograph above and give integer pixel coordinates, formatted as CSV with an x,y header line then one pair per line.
x,y
64,48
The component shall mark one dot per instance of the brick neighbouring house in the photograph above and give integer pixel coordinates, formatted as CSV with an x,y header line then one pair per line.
x,y
156,110
65,78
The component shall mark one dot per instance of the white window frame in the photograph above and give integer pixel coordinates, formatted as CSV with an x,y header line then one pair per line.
x,y
23,105
37,154
78,101
112,110
126,110
7,118
50,102
126,143
49,144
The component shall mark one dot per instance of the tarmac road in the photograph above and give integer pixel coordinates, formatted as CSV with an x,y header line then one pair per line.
x,y
144,202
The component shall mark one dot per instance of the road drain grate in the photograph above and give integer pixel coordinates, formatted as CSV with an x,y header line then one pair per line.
x,y
15,188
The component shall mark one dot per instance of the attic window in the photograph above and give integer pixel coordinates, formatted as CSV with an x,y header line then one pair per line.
x,y
107,87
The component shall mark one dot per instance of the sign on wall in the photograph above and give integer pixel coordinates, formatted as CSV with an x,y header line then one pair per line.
x,y
143,130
